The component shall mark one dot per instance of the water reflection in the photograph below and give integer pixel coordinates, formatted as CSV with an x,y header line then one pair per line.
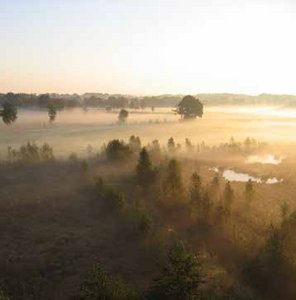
x,y
232,175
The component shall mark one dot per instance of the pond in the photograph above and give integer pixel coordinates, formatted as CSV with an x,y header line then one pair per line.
x,y
232,175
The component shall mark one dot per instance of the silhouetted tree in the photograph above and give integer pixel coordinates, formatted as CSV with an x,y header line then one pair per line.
x,y
228,196
190,107
8,113
215,183
123,114
134,143
195,190
52,112
117,150
285,209
249,191
171,145
180,278
206,205
188,145
173,186
145,172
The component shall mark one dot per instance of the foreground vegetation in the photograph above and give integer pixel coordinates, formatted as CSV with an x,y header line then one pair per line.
x,y
134,222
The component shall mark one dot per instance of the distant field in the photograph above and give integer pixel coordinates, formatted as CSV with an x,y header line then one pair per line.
x,y
75,129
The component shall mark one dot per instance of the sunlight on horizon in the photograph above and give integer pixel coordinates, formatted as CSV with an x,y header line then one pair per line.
x,y
158,47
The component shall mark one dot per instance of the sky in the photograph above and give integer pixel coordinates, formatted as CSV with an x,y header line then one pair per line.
x,y
146,47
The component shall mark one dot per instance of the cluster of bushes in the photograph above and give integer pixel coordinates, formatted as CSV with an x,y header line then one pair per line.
x,y
31,152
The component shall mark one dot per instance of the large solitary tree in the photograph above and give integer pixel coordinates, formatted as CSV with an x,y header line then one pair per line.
x,y
8,113
190,108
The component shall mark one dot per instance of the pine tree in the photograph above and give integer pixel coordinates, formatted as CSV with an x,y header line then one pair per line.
x,y
180,278
228,196
145,172
249,191
195,190
173,186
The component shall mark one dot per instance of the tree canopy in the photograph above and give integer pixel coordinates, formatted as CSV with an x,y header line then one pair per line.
x,y
123,114
190,107
52,112
8,113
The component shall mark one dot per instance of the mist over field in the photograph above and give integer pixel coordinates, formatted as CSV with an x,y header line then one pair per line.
x,y
147,150
75,129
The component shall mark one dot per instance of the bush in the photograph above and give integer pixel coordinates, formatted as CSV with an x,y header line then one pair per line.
x,y
117,150
99,285
31,152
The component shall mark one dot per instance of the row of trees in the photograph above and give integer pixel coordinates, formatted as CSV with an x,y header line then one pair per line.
x,y
189,107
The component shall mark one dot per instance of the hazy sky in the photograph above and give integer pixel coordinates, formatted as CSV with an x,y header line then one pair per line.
x,y
148,46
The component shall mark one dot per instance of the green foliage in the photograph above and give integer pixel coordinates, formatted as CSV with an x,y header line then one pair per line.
x,y
215,182
123,114
52,112
31,152
145,172
249,191
114,200
285,208
206,205
46,152
180,278
134,143
228,196
195,191
171,145
100,286
190,107
172,185
8,113
188,145
117,150
145,223
3,296
273,251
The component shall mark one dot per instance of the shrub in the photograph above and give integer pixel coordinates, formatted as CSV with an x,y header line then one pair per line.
x,y
99,285
117,150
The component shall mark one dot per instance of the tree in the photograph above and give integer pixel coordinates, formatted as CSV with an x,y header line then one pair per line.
x,y
117,150
145,172
173,186
180,277
188,145
206,205
135,143
99,285
215,182
171,145
190,108
249,191
228,196
195,190
52,112
8,113
123,114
